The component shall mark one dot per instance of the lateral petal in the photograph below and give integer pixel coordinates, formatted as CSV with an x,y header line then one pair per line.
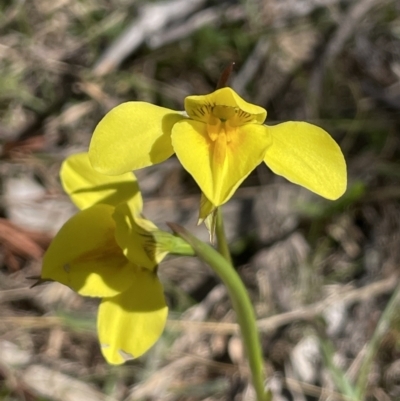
x,y
308,156
86,187
130,323
85,256
219,166
131,136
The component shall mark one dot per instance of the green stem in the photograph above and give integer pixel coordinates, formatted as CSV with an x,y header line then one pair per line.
x,y
221,237
241,304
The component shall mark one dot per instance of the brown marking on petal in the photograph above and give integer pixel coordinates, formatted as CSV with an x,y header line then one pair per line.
x,y
244,117
107,248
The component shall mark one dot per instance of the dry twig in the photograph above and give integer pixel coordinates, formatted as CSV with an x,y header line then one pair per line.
x,y
309,312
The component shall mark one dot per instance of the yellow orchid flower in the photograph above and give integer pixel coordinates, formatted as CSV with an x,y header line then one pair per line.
x,y
85,255
111,251
219,141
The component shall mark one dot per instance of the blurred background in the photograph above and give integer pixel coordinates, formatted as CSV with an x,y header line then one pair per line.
x,y
321,274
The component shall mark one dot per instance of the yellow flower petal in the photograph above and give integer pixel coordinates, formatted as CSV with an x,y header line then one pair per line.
x,y
130,323
308,156
86,187
131,136
200,107
85,256
219,166
137,237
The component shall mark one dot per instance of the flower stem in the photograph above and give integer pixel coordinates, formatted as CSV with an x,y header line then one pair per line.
x,y
241,304
221,237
